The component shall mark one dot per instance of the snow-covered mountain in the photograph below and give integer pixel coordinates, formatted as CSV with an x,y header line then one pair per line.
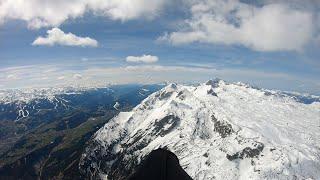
x,y
24,102
218,131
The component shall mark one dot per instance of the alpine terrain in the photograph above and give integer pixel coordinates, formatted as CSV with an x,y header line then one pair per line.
x,y
218,130
43,132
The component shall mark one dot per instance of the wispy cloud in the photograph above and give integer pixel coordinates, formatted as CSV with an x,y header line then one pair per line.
x,y
13,77
33,76
57,37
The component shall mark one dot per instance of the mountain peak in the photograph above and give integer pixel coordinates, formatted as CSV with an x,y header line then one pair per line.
x,y
213,82
219,131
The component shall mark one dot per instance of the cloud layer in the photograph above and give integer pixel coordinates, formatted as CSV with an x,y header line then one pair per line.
x,y
142,59
100,75
268,27
57,37
52,13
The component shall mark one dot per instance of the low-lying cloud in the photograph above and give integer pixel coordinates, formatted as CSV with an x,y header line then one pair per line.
x,y
96,76
142,59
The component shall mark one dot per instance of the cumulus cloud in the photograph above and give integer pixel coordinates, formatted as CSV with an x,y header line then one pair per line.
x,y
142,59
57,37
269,27
48,13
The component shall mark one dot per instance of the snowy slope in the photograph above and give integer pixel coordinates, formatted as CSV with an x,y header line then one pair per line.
x,y
217,130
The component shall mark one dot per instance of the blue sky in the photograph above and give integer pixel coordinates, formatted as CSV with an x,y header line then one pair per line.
x,y
192,41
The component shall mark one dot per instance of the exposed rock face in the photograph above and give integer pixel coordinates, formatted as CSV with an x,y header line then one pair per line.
x,y
217,130
160,164
222,127
247,152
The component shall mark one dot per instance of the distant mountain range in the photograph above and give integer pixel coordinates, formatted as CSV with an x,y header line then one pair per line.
x,y
43,131
218,130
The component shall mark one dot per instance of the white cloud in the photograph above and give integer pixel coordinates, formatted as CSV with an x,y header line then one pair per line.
x,y
274,26
142,59
13,77
51,13
61,77
77,76
271,27
57,37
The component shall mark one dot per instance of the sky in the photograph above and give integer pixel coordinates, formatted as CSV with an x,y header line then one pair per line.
x,y
266,43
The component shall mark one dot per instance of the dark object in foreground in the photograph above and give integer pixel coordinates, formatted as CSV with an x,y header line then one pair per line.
x,y
160,164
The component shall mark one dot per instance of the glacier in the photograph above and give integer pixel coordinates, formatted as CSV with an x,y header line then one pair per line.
x,y
218,130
